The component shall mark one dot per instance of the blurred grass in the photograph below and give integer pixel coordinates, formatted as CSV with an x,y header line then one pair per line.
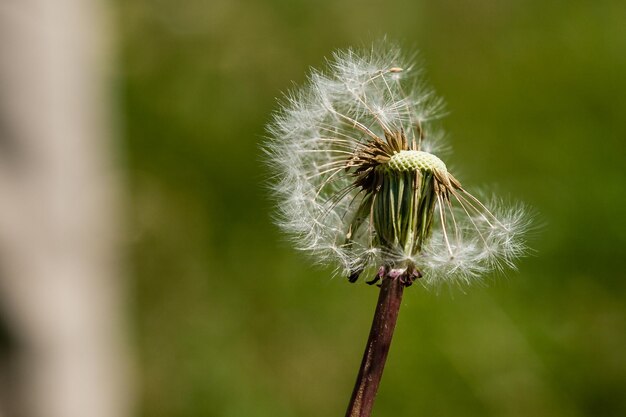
x,y
231,322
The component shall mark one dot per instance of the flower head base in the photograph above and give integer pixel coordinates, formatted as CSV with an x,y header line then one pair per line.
x,y
416,160
359,183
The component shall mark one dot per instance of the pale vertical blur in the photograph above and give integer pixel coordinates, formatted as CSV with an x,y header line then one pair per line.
x,y
64,352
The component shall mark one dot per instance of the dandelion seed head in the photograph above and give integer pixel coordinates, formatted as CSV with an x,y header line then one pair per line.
x,y
360,183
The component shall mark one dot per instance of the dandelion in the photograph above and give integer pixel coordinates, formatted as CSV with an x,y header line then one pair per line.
x,y
360,184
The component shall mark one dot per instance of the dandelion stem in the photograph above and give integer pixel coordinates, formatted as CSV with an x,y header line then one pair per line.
x,y
377,348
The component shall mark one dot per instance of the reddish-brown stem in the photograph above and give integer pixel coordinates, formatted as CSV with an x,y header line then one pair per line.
x,y
377,348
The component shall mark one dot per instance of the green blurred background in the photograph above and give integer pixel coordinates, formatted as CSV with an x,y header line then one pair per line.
x,y
230,321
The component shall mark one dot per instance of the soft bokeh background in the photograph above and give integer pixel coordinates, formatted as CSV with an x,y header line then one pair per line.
x,y
230,321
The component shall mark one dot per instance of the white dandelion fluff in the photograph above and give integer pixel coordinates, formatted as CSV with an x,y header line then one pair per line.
x,y
359,183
